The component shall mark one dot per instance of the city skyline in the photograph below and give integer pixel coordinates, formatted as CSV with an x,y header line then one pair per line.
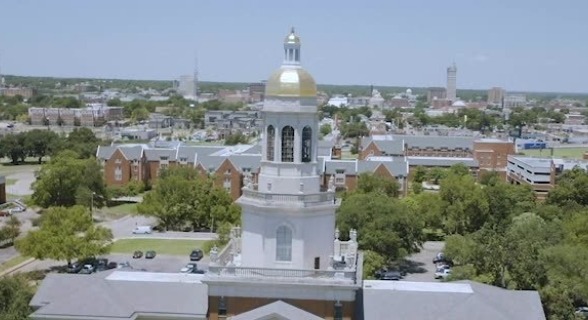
x,y
523,46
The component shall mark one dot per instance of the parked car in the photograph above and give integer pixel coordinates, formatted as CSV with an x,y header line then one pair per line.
x,y
189,267
196,255
101,264
137,254
442,273
124,265
87,269
391,275
582,312
150,254
440,257
198,271
142,230
74,267
111,265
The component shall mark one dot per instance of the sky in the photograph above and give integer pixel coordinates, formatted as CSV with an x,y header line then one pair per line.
x,y
520,45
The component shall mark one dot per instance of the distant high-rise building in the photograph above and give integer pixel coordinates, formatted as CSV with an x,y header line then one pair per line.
x,y
495,96
187,86
452,83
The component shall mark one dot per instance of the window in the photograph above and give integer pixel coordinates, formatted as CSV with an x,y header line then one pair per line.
x,y
338,311
222,306
288,144
118,174
271,137
284,244
306,144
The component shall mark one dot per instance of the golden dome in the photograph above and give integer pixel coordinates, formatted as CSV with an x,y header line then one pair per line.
x,y
290,82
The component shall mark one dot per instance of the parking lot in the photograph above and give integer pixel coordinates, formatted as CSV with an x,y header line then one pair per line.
x,y
161,263
422,268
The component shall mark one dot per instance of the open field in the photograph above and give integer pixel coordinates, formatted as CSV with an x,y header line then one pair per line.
x,y
571,153
7,168
161,246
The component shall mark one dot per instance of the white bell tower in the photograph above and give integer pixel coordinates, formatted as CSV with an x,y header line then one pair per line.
x,y
287,220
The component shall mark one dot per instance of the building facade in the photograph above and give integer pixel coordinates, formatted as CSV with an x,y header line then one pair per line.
x,y
452,83
495,96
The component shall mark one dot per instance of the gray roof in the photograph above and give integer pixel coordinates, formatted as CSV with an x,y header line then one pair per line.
x,y
447,301
241,161
277,310
441,161
210,162
156,154
105,152
349,166
187,152
120,295
390,147
132,153
397,167
437,142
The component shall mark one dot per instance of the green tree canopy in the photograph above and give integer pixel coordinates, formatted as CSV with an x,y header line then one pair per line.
x,y
66,234
385,225
183,197
15,295
65,177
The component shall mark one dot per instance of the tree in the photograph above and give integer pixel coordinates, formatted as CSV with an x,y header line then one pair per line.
x,y
40,142
385,225
60,180
66,234
465,208
420,174
15,295
13,147
11,230
182,196
140,114
236,138
83,142
326,129
368,182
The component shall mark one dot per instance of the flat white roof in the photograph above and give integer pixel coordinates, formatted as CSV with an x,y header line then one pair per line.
x,y
141,276
418,286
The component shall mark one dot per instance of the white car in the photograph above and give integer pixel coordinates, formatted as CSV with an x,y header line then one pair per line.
x,y
188,268
442,273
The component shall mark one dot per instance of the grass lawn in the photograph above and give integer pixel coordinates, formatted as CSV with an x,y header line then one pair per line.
x,y
161,246
12,262
119,211
572,153
8,168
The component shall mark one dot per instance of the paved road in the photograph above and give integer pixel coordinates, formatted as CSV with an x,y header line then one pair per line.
x,y
422,267
24,181
26,225
123,228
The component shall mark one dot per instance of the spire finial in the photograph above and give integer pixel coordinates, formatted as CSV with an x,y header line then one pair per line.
x,y
292,30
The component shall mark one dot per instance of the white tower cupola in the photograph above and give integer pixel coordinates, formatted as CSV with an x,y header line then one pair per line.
x,y
287,219
292,49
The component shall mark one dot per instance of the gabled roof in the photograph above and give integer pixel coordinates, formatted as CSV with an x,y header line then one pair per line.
x,y
132,153
156,154
447,301
105,152
278,310
397,167
390,147
348,166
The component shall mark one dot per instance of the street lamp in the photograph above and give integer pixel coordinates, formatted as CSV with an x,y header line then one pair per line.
x,y
92,206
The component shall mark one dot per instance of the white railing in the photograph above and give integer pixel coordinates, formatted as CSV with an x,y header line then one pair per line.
x,y
306,200
251,272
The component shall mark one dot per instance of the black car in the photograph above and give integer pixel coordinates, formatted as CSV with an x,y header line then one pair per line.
x,y
101,264
74,267
440,257
391,275
137,254
198,271
196,255
111,265
150,254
